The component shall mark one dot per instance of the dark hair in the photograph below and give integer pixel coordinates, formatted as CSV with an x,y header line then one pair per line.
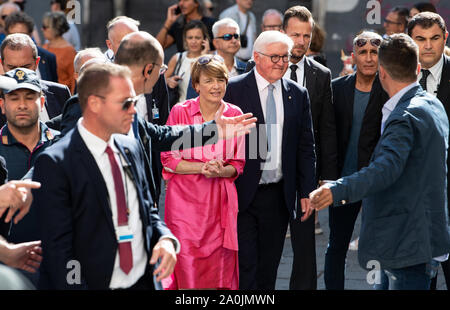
x,y
19,18
399,56
195,24
57,21
16,42
425,7
137,52
402,12
95,80
300,12
426,20
318,39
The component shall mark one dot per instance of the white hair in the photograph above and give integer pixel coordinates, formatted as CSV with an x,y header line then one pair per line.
x,y
93,52
269,37
272,12
10,4
224,22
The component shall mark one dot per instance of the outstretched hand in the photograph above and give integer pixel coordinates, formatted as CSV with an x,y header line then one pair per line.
x,y
321,198
16,196
230,127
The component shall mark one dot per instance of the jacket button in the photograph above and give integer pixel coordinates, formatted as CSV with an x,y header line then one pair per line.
x,y
343,202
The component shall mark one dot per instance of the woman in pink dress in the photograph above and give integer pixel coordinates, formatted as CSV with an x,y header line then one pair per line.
x,y
201,200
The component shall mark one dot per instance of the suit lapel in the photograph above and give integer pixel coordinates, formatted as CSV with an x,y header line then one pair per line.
x,y
443,93
350,98
287,107
310,75
87,160
253,98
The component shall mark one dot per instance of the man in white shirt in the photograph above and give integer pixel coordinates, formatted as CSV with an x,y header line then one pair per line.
x,y
430,33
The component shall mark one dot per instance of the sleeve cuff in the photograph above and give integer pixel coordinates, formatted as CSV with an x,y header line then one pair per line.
x,y
176,243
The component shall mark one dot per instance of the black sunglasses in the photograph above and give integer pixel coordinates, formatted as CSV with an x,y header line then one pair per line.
x,y
361,42
4,17
229,36
387,21
126,104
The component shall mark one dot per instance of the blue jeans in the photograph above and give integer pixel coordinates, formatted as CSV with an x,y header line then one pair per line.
x,y
417,277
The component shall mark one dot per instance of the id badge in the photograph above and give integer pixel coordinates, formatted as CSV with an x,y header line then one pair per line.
x,y
155,112
124,234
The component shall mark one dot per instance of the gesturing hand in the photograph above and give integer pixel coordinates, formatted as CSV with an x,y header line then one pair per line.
x,y
321,198
165,251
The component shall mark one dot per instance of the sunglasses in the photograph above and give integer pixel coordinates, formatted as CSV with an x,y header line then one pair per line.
x,y
126,104
362,42
229,36
207,59
276,58
387,21
4,17
163,68
45,27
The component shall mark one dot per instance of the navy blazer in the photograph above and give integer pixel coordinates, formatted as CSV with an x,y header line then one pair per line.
x,y
404,214
298,155
47,65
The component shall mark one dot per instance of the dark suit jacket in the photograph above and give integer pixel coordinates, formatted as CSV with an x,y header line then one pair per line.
x,y
55,96
443,95
298,157
318,84
343,96
72,205
47,65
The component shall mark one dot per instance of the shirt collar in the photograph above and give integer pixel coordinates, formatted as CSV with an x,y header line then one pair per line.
x,y
96,145
436,70
262,83
300,64
393,101
8,138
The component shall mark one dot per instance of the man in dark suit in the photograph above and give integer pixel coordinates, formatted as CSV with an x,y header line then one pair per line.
x,y
96,208
298,24
18,50
430,33
358,99
271,181
404,227
20,22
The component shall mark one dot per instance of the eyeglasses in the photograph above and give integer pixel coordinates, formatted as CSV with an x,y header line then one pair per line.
x,y
361,42
272,27
45,27
276,58
387,21
207,59
229,36
126,104
4,17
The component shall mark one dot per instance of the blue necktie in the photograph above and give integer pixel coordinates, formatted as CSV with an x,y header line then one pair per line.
x,y
268,175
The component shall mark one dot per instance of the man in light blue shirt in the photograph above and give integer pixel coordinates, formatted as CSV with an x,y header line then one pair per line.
x,y
404,218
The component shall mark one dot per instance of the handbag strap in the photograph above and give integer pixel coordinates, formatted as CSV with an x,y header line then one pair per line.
x,y
178,64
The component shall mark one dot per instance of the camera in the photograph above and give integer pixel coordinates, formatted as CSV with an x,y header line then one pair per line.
x,y
244,40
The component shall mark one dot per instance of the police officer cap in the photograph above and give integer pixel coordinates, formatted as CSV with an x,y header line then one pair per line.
x,y
20,78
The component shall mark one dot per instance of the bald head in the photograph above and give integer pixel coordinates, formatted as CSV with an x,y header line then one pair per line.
x,y
119,28
138,49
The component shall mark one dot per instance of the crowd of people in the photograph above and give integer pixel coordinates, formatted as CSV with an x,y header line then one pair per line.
x,y
248,134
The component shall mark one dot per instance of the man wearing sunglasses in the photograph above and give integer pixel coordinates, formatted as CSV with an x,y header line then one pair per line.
x,y
227,43
298,24
271,181
357,99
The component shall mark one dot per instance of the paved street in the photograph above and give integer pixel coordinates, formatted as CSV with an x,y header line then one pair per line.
x,y
355,275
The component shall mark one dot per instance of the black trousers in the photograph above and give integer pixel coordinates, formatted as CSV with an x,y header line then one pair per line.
x,y
261,232
342,222
303,240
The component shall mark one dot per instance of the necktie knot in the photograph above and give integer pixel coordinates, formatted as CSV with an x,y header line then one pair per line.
x,y
425,72
271,87
293,67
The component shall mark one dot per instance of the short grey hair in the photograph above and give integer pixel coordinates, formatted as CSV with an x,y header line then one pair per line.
x,y
94,52
6,4
272,12
122,19
17,42
224,22
269,37
366,34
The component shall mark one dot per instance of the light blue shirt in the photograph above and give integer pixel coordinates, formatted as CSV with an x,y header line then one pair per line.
x,y
390,105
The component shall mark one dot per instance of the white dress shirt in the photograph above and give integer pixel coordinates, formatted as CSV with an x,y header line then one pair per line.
x,y
300,72
97,147
262,85
434,78
141,107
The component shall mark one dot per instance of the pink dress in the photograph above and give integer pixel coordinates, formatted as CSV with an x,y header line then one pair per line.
x,y
202,212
